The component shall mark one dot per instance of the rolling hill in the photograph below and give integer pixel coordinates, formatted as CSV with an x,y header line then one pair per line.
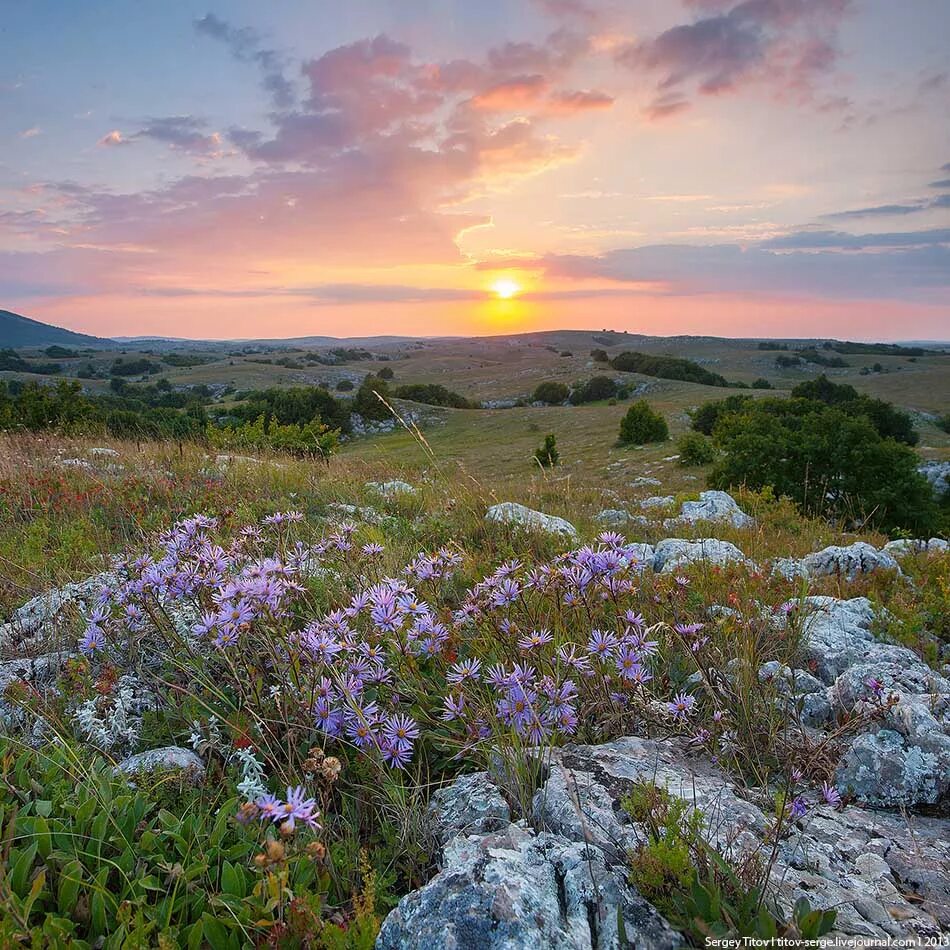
x,y
20,331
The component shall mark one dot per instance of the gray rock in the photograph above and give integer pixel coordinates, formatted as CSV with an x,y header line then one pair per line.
x,y
392,489
644,481
857,558
836,634
38,617
884,769
518,889
674,553
657,501
472,804
715,506
905,547
509,512
171,758
613,517
790,568
937,474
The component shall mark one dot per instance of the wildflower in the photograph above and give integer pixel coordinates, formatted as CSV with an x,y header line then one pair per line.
x,y
395,755
602,644
875,685
92,640
537,638
372,549
462,671
681,705
798,808
830,795
401,730
628,663
453,707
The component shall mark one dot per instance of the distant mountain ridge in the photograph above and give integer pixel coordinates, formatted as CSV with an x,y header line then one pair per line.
x,y
20,331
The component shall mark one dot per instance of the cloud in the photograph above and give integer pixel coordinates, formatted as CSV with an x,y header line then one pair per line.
x,y
31,132
580,100
840,240
786,44
919,270
354,293
942,183
512,94
877,211
246,45
112,139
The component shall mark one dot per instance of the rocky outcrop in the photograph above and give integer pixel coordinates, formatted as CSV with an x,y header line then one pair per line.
x,y
171,758
848,562
716,506
558,878
937,474
905,547
902,759
672,554
392,489
613,517
511,513
37,618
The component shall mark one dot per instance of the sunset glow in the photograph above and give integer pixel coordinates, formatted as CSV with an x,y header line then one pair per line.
x,y
397,167
506,288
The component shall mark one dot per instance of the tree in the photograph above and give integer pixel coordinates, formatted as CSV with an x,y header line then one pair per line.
x,y
642,425
829,462
386,373
599,356
695,449
547,454
367,401
551,393
595,389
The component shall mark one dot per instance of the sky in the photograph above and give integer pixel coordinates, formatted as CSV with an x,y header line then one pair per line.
x,y
436,167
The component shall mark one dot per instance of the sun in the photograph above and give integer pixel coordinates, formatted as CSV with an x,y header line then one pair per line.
x,y
506,288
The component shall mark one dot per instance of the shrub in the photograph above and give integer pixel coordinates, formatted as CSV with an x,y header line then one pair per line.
x,y
595,389
547,454
599,356
344,386
695,449
829,462
761,383
386,373
642,425
551,393
704,418
433,394
311,439
666,367
367,401
889,421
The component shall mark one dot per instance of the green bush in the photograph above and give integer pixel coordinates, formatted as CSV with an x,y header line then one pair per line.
x,y
695,449
433,394
761,383
599,356
889,421
666,367
93,861
550,392
547,454
368,401
594,390
829,462
642,425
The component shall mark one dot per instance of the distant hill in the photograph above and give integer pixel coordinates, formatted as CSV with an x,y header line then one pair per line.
x,y
19,331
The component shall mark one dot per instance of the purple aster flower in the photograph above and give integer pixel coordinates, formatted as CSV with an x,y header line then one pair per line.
x,y
463,670
798,808
537,638
602,644
92,640
401,731
296,808
681,705
453,707
830,795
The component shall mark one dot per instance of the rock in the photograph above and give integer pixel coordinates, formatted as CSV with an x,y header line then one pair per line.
x,y
674,553
883,769
99,451
472,804
937,474
509,512
643,481
715,506
171,758
518,889
789,682
857,558
34,617
613,517
789,567
836,634
392,489
657,501
367,513
904,547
